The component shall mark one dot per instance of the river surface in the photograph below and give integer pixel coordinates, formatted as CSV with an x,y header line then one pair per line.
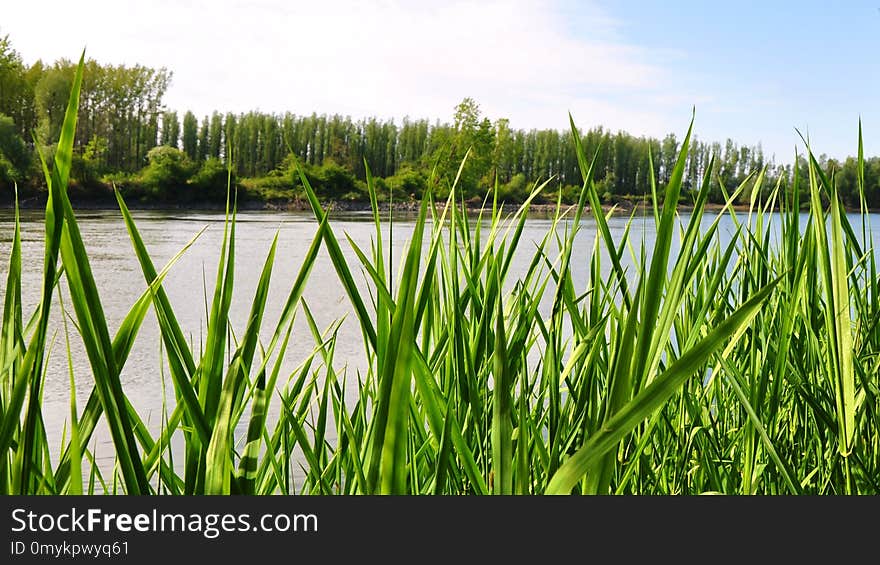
x,y
191,281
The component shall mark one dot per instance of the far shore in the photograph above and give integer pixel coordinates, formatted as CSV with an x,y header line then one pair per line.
x,y
621,207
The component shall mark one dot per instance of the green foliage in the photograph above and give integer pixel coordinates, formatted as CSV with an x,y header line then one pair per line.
x,y
469,136
210,181
170,135
408,183
335,180
202,150
17,89
89,166
168,171
190,135
121,105
514,191
215,146
15,158
51,98
330,180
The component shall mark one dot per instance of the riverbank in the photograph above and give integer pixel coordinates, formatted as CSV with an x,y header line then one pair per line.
x,y
80,202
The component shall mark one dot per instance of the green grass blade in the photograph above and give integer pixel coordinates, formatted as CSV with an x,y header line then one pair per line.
x,y
654,395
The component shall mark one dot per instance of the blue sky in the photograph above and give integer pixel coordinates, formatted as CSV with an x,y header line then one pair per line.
x,y
765,68
753,71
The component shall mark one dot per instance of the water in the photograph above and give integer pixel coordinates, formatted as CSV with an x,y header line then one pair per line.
x,y
190,284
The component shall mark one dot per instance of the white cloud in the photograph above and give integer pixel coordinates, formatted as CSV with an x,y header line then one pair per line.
x,y
522,60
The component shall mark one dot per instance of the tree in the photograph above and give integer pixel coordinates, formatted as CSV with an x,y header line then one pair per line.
x,y
167,171
51,93
229,137
503,156
190,135
268,157
210,182
215,135
14,154
469,136
667,157
93,159
729,163
120,104
202,150
624,173
170,130
16,90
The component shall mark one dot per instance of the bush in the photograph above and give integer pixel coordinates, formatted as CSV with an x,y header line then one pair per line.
x,y
571,194
211,181
329,180
407,183
167,173
334,180
514,191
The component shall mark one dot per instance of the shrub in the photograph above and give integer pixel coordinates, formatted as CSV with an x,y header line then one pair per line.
x,y
210,182
514,191
168,171
408,183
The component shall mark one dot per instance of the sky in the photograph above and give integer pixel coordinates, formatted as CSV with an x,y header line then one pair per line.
x,y
754,72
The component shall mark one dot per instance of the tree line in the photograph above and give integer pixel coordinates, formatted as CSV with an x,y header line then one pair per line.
x,y
126,136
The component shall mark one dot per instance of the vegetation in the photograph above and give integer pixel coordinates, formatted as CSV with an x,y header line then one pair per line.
x,y
749,367
123,119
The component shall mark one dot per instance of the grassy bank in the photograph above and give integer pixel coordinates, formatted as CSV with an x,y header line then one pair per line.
x,y
744,368
106,200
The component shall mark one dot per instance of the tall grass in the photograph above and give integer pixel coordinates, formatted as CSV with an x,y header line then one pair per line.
x,y
748,367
